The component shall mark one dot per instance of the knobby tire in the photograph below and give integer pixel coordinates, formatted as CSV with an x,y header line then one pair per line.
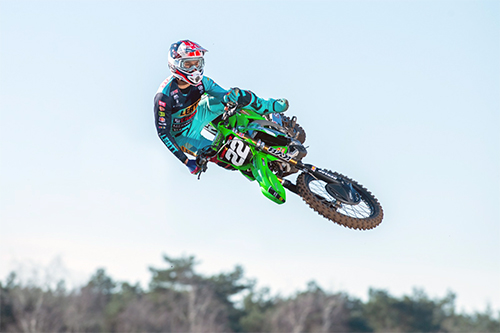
x,y
328,210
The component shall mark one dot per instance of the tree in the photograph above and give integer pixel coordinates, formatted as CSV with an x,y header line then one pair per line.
x,y
30,308
86,307
225,285
6,307
120,301
255,307
181,300
477,322
416,313
200,303
310,311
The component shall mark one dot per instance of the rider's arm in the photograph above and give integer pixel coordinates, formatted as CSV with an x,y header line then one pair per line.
x,y
242,97
163,119
213,89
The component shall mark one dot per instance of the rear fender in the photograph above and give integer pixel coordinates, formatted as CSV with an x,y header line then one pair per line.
x,y
269,184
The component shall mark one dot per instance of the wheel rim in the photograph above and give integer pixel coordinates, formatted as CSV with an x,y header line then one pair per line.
x,y
360,211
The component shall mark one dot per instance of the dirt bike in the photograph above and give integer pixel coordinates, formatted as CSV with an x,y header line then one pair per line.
x,y
269,148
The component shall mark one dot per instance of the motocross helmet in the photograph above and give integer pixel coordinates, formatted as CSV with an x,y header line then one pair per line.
x,y
186,62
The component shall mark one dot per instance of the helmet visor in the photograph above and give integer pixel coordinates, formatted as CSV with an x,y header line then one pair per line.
x,y
190,65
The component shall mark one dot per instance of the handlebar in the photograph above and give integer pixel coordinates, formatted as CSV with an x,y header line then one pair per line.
x,y
229,110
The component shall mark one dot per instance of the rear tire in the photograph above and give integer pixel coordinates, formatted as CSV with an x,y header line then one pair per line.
x,y
367,214
299,132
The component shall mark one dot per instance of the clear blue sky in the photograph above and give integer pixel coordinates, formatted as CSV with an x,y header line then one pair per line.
x,y
401,95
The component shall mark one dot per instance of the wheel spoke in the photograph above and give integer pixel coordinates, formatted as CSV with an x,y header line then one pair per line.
x,y
331,202
360,211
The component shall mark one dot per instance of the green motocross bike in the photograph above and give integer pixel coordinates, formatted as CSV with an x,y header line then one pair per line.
x,y
267,149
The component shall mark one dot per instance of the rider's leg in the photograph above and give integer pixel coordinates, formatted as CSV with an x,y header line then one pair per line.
x,y
261,105
271,105
193,140
190,145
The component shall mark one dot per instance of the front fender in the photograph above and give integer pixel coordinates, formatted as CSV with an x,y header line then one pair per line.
x,y
270,185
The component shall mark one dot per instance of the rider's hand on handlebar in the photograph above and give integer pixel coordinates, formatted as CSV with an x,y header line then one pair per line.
x,y
229,110
193,167
201,162
233,96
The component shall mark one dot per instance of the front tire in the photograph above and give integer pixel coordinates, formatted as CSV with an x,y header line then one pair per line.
x,y
365,215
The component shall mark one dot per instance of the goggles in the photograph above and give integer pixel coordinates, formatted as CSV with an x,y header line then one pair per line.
x,y
190,65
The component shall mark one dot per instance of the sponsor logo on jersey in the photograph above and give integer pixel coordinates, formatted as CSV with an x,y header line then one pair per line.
x,y
190,109
169,143
191,116
187,151
162,103
180,126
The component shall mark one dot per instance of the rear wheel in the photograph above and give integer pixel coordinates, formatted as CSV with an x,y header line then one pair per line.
x,y
363,213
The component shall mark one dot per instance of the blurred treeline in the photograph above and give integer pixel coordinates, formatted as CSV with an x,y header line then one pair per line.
x,y
181,300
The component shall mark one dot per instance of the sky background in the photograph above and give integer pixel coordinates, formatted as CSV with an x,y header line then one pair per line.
x,y
403,96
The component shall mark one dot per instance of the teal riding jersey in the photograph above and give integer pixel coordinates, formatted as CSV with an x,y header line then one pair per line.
x,y
181,114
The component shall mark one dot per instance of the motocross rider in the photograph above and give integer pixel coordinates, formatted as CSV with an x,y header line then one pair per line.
x,y
187,101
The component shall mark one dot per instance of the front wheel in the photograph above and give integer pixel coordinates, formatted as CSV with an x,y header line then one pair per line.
x,y
364,213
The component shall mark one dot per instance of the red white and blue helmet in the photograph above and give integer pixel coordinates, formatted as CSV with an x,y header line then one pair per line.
x,y
186,62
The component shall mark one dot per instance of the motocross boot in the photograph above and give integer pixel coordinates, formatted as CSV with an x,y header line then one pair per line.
x,y
280,105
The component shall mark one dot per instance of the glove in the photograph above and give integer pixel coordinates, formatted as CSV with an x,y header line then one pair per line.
x,y
233,96
240,97
193,168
